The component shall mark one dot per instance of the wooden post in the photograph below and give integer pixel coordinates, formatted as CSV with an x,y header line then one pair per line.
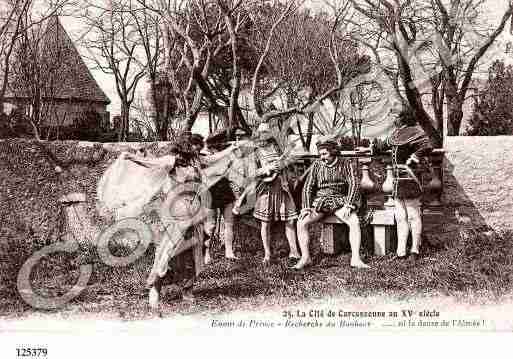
x,y
77,222
334,236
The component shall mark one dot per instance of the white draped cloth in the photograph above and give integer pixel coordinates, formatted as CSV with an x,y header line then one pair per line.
x,y
131,182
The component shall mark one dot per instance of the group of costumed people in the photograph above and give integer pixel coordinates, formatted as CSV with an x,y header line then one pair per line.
x,y
199,178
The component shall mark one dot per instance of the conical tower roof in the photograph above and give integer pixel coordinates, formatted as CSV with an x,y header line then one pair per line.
x,y
73,80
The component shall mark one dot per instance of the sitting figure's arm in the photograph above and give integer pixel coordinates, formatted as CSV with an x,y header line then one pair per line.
x,y
309,190
353,193
420,147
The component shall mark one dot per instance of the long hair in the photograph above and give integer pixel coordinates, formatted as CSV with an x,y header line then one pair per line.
x,y
406,117
183,147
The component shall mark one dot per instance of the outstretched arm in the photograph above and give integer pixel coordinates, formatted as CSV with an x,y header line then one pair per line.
x,y
164,161
421,147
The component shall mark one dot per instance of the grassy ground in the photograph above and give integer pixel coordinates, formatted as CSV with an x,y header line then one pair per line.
x,y
477,264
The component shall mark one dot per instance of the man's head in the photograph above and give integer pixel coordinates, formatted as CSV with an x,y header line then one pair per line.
x,y
264,132
196,142
217,141
182,150
405,118
328,150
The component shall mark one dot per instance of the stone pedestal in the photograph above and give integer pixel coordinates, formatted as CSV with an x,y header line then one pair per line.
x,y
78,225
334,236
385,233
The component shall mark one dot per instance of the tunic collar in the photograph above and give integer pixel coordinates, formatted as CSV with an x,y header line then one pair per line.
x,y
332,164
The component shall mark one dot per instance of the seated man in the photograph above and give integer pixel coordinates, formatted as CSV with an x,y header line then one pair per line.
x,y
330,188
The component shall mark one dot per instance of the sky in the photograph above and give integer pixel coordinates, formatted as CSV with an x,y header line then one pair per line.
x,y
107,83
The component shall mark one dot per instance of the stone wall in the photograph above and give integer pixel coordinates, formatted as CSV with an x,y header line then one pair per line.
x,y
478,180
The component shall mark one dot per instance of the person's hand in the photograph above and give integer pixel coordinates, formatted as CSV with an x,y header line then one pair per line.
x,y
305,212
412,161
274,166
345,211
269,168
363,149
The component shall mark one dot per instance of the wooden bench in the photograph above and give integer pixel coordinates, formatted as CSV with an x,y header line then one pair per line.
x,y
335,233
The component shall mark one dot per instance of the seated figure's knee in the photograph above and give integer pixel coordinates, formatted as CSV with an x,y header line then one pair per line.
x,y
400,216
303,224
415,219
353,220
209,229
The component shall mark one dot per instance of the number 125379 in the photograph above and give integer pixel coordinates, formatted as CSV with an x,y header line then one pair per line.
x,y
31,352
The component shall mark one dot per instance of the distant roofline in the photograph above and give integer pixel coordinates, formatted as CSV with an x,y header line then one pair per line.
x,y
76,99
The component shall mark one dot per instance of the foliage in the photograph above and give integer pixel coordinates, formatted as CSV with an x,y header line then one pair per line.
x,y
493,111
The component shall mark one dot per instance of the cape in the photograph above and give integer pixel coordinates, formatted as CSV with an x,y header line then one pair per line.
x,y
129,184
402,136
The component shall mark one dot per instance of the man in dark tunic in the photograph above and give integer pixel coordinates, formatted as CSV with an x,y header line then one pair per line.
x,y
331,188
222,197
410,145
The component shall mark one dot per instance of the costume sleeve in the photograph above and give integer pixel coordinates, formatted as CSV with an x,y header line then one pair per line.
x,y
260,171
353,193
310,187
421,147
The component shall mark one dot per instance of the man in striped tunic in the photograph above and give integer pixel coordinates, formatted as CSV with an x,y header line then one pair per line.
x,y
331,188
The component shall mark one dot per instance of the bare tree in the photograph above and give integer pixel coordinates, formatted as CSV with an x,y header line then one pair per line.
x,y
39,64
463,39
16,18
201,33
323,80
146,23
423,45
191,32
115,45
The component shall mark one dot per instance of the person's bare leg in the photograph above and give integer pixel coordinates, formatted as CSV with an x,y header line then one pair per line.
x,y
403,228
228,231
290,233
265,232
210,226
187,293
415,220
304,238
154,295
355,238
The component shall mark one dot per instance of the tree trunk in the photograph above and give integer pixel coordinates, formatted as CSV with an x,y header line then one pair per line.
x,y
454,115
301,135
415,102
123,128
191,119
454,122
164,126
309,130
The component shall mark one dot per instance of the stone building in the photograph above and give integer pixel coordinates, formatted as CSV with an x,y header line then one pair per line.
x,y
61,81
